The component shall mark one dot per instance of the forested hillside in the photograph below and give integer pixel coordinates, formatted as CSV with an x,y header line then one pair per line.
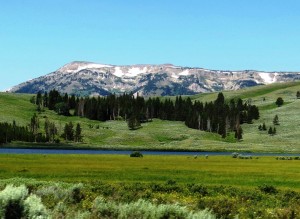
x,y
169,134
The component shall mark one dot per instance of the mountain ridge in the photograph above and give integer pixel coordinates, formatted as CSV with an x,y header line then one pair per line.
x,y
89,78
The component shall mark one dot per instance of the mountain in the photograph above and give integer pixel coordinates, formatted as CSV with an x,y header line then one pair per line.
x,y
87,78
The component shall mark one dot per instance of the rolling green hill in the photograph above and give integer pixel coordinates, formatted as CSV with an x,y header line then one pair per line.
x,y
166,135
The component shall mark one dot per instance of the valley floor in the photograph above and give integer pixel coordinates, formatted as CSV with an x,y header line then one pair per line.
x,y
98,185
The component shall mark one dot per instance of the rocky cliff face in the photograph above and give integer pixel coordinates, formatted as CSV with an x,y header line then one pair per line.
x,y
86,78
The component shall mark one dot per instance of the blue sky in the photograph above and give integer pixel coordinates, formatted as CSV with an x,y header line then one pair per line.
x,y
37,37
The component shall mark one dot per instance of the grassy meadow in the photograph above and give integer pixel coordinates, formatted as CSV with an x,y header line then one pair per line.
x,y
119,186
216,170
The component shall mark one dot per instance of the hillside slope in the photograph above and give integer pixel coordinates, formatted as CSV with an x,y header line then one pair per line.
x,y
167,135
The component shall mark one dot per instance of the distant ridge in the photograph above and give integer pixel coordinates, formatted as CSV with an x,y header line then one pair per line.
x,y
88,78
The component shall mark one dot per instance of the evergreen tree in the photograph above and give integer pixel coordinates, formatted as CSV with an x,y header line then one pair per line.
x,y
264,127
45,99
298,94
62,108
34,125
78,136
276,120
239,133
133,123
39,98
279,102
72,102
50,130
260,128
46,127
32,100
39,102
68,132
270,131
54,98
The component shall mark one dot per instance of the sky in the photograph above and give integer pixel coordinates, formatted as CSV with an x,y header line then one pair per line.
x,y
38,37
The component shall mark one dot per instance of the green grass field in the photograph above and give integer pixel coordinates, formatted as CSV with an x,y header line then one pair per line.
x,y
216,170
167,135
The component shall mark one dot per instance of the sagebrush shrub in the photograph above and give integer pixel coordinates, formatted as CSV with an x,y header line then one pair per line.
x,y
144,209
11,201
136,154
34,208
76,194
105,209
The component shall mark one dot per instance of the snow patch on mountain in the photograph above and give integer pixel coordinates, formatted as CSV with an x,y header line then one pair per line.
x,y
118,72
78,66
133,72
175,76
184,73
267,77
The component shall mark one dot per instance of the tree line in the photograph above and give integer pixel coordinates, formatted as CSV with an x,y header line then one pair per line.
x,y
32,132
217,116
12,132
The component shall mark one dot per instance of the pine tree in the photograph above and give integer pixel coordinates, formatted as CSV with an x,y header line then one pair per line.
x,y
133,123
264,127
45,99
298,94
276,120
270,131
50,130
78,136
68,132
34,126
279,101
238,133
46,127
260,128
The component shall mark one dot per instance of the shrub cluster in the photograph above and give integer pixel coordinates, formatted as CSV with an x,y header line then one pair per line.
x,y
15,203
144,200
144,209
240,156
136,154
287,158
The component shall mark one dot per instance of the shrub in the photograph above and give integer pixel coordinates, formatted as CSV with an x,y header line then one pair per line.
x,y
139,209
76,194
136,154
60,210
51,195
34,208
245,157
144,209
204,214
222,206
199,189
11,201
279,102
268,189
235,155
104,209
